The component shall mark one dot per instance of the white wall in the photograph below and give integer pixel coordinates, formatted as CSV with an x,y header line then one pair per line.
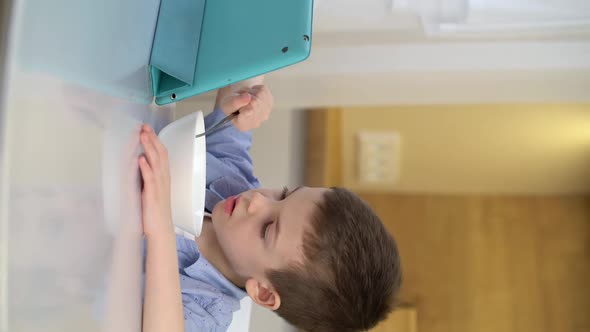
x,y
277,149
389,72
355,69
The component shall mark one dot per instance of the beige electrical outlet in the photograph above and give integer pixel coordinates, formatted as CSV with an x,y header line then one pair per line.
x,y
378,157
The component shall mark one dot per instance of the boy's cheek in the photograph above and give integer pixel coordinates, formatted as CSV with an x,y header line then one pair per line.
x,y
218,213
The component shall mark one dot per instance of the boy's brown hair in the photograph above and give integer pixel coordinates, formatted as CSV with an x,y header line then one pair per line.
x,y
351,272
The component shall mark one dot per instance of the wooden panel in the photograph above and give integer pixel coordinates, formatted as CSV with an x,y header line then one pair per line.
x,y
475,263
404,319
477,148
322,148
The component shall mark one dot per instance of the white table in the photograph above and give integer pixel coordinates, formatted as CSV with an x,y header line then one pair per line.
x,y
76,92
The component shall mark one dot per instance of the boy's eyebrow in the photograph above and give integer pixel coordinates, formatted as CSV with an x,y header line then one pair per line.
x,y
278,224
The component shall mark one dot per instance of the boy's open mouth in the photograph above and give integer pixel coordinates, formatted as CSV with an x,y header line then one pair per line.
x,y
230,204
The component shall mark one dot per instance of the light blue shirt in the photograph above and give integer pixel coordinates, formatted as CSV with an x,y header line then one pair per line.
x,y
209,299
229,166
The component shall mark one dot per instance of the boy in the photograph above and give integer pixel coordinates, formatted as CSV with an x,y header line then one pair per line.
x,y
318,257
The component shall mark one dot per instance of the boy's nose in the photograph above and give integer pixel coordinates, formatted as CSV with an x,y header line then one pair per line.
x,y
257,201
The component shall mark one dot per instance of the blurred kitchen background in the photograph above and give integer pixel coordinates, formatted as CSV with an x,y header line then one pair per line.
x,y
466,125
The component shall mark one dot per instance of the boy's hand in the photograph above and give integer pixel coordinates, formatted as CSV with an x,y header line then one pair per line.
x,y
255,105
155,197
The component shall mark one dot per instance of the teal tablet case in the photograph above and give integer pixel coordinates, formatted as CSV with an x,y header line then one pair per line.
x,y
201,45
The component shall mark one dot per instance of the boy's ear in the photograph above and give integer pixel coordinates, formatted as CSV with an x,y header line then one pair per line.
x,y
263,294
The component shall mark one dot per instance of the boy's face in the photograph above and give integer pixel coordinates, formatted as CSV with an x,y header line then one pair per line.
x,y
260,230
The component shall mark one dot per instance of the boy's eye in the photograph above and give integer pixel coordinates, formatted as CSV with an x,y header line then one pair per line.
x,y
264,229
284,193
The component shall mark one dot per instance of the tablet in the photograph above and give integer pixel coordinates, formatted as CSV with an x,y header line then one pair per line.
x,y
243,39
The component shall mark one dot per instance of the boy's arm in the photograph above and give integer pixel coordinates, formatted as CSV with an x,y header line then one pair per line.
x,y
228,149
162,308
231,145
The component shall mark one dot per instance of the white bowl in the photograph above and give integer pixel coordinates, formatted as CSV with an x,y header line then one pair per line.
x,y
187,157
